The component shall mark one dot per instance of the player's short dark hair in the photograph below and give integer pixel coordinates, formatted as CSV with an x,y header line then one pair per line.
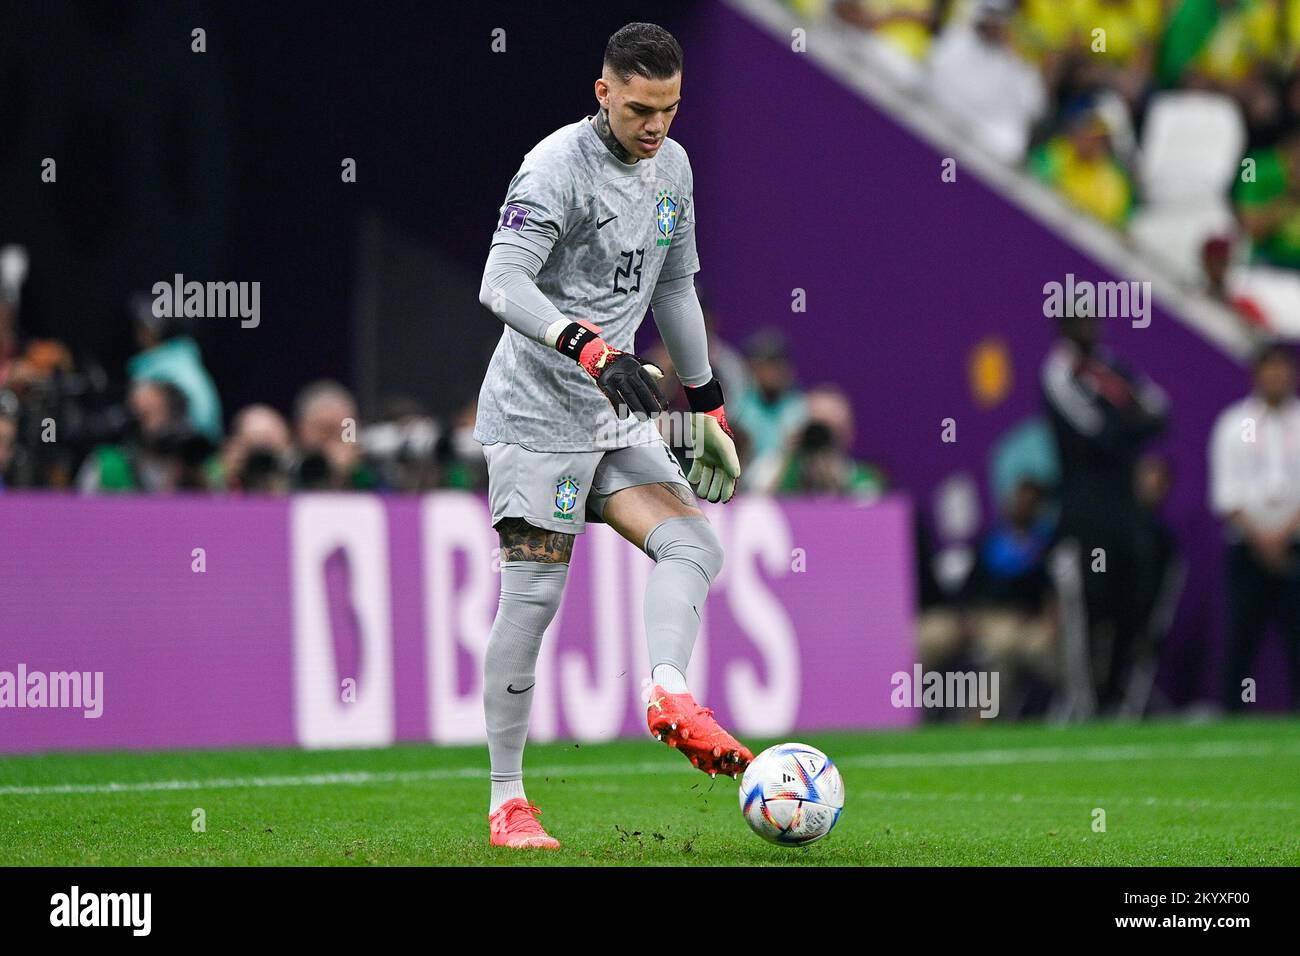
x,y
643,49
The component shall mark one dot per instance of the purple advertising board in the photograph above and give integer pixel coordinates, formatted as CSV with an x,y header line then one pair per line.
x,y
356,620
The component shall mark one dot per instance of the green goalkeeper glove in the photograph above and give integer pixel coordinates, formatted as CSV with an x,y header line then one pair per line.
x,y
716,465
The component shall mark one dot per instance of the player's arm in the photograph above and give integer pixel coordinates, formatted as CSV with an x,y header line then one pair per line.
x,y
715,466
528,229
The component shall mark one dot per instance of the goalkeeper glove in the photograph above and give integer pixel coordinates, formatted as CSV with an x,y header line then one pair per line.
x,y
716,465
627,381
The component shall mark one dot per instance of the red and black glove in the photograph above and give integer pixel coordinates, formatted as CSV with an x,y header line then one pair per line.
x,y
627,381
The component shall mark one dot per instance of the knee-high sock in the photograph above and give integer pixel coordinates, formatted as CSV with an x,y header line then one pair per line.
x,y
687,558
530,595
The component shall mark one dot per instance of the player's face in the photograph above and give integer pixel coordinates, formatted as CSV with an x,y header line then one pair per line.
x,y
640,110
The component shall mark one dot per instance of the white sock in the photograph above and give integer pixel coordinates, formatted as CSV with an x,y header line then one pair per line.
x,y
669,678
503,790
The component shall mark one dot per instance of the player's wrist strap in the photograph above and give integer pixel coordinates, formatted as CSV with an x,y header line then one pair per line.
x,y
573,338
705,398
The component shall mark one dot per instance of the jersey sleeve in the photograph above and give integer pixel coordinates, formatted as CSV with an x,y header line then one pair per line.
x,y
537,202
680,321
682,259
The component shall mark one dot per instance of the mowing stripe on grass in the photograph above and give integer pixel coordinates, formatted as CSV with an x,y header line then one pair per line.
x,y
1201,751
1208,750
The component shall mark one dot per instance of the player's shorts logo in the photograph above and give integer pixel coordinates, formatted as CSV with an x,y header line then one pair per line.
x,y
665,217
513,217
566,497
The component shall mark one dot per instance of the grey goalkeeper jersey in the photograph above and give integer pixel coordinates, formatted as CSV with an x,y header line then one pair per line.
x,y
607,232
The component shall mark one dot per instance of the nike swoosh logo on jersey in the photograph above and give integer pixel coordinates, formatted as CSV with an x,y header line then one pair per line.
x,y
510,688
600,225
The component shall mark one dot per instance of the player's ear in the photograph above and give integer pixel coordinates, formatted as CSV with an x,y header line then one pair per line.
x,y
602,92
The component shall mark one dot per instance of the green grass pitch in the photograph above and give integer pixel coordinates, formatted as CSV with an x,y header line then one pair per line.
x,y
1222,793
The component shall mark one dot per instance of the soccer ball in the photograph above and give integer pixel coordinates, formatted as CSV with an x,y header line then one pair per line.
x,y
791,794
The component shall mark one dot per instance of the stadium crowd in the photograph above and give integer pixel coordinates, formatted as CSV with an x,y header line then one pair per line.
x,y
1174,122
157,424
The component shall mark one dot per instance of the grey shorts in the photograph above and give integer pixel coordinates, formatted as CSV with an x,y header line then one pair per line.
x,y
563,490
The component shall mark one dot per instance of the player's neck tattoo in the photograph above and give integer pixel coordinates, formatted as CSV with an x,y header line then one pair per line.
x,y
601,122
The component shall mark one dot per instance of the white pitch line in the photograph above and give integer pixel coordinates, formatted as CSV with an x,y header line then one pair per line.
x,y
1182,803
331,779
1115,753
1100,753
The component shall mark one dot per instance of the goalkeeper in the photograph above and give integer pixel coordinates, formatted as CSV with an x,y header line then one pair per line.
x,y
598,225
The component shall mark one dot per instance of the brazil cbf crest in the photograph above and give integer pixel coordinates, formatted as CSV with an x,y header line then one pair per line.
x,y
665,216
566,497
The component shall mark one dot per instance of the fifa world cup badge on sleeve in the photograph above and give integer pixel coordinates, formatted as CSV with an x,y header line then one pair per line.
x,y
665,217
513,217
566,497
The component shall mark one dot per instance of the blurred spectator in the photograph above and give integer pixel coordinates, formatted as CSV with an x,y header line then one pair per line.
x,y
1160,577
29,364
459,455
13,274
161,453
1009,567
820,460
1081,165
326,428
1009,605
168,355
256,456
1079,60
979,77
1255,489
1228,46
1216,260
772,409
906,25
10,345
1102,415
895,34
402,444
9,449
1268,204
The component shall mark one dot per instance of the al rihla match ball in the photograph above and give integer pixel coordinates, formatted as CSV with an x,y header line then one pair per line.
x,y
791,794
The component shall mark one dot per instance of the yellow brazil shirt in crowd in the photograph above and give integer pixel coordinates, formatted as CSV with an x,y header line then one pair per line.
x,y
1094,182
1127,27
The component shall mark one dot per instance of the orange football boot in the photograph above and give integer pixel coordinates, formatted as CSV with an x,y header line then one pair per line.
x,y
686,726
515,825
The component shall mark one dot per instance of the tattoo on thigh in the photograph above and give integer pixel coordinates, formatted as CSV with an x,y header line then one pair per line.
x,y
521,541
681,493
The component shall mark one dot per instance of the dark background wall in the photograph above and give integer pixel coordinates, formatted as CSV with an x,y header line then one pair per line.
x,y
226,165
